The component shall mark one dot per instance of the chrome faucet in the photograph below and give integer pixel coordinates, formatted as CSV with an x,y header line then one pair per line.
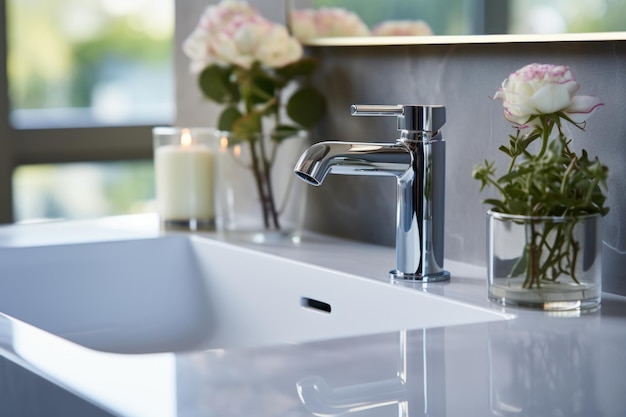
x,y
417,160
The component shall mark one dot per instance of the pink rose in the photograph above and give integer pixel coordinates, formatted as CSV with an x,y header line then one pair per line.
x,y
303,25
327,22
402,28
538,89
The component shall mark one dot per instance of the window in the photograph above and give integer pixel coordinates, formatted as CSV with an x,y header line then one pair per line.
x,y
87,79
89,62
81,190
565,16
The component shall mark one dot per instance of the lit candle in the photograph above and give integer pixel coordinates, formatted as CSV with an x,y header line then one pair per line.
x,y
184,180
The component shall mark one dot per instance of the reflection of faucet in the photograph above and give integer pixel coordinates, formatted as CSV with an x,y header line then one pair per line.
x,y
417,160
420,370
322,400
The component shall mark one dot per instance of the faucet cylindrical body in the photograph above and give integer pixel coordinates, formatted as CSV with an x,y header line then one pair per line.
x,y
420,213
417,160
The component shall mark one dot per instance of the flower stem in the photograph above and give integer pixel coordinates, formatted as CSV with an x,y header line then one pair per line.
x,y
567,174
256,172
533,260
270,204
546,131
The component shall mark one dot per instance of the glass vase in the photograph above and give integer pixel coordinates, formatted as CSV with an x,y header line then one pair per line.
x,y
549,263
259,197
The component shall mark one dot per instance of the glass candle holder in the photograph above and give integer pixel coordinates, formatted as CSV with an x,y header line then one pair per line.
x,y
184,165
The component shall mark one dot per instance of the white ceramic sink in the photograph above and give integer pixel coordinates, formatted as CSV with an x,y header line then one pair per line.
x,y
176,293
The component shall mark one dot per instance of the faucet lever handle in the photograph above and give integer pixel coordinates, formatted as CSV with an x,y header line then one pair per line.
x,y
414,118
376,110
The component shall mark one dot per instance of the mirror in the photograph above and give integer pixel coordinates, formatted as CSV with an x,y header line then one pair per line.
x,y
363,22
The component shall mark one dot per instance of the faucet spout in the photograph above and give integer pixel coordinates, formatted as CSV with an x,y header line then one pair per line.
x,y
352,158
417,161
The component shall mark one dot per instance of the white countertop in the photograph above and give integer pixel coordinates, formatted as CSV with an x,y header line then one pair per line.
x,y
536,364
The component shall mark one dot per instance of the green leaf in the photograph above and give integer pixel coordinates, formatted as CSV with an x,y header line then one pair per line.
x,y
247,126
497,204
228,118
283,132
518,207
263,89
304,66
215,84
511,176
306,107
505,150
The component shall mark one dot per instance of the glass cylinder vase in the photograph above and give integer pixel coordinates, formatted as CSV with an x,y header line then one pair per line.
x,y
260,198
550,263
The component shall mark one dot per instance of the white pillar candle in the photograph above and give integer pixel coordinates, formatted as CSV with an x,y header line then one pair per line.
x,y
184,180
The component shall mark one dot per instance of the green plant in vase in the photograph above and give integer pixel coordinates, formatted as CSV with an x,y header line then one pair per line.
x,y
545,178
257,71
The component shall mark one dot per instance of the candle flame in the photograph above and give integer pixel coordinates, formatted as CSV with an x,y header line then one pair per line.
x,y
223,142
237,150
185,137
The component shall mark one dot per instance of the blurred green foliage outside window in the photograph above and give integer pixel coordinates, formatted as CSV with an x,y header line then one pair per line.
x,y
88,63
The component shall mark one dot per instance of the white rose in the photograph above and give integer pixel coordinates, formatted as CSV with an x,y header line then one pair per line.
x,y
233,33
239,41
538,89
277,48
195,47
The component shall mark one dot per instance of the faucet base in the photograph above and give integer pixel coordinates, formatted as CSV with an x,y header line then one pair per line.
x,y
436,277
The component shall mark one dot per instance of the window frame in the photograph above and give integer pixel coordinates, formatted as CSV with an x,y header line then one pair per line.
x,y
57,145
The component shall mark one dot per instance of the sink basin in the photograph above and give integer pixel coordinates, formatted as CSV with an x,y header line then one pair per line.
x,y
177,293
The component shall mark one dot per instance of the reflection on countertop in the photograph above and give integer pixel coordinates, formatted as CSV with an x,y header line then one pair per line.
x,y
532,366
